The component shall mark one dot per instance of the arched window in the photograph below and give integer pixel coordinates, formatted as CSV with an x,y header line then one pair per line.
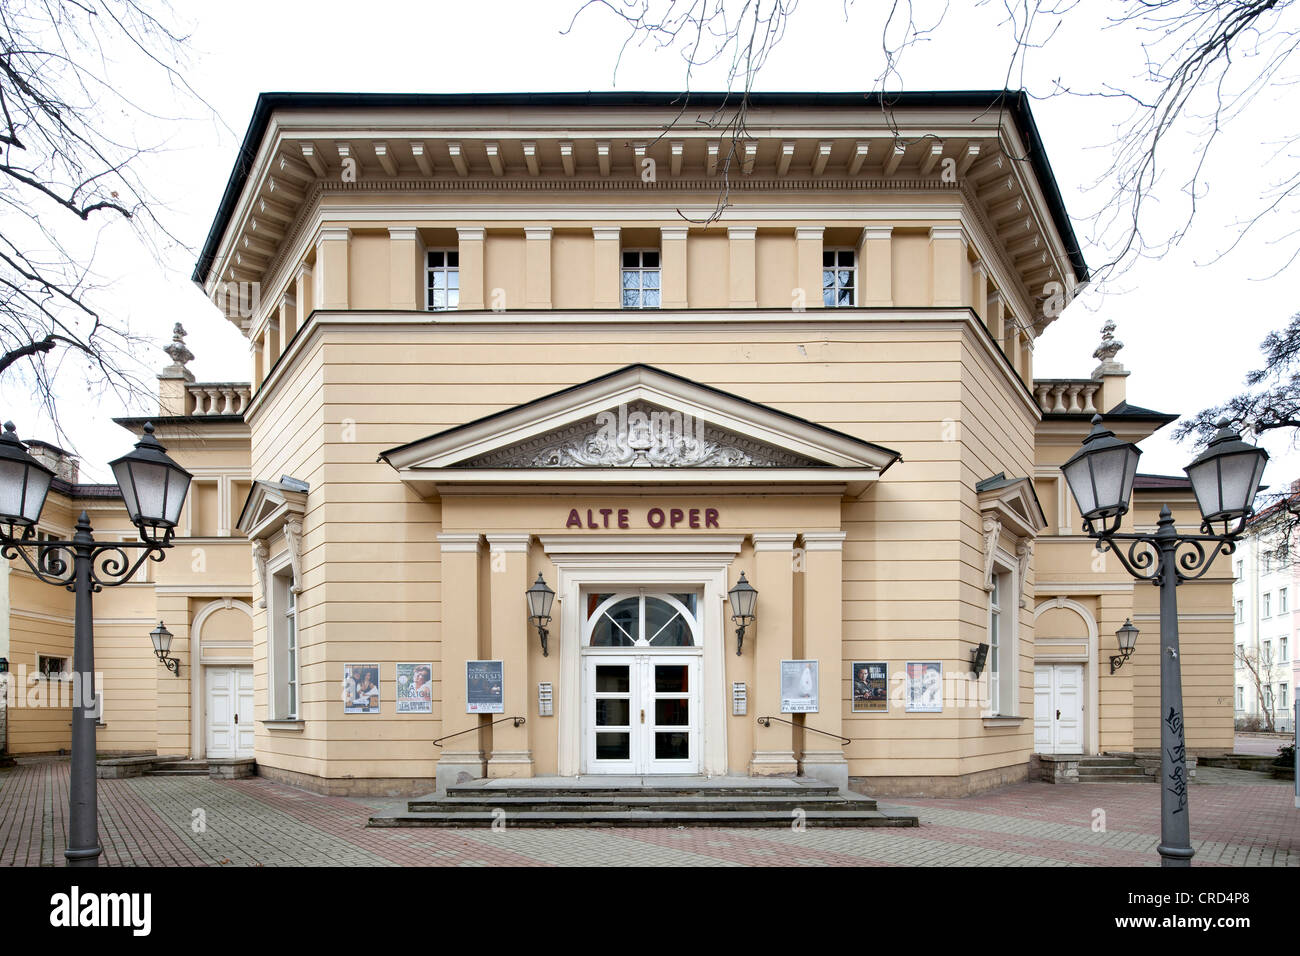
x,y
630,619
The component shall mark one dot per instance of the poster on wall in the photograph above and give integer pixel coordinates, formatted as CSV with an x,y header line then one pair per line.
x,y
415,688
360,688
799,687
870,687
483,687
924,687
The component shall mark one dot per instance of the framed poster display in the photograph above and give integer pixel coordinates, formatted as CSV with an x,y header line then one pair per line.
x,y
870,687
924,687
799,687
484,693
415,688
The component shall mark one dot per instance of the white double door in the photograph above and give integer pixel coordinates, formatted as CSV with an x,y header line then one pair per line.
x,y
1058,708
641,713
230,711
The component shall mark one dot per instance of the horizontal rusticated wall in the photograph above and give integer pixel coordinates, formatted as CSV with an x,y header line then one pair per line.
x,y
288,439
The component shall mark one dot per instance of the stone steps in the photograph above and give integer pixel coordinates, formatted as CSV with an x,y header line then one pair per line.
x,y
675,804
178,768
1111,768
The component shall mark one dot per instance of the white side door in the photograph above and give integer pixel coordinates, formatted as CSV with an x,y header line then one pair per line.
x,y
221,704
1044,709
1068,691
243,682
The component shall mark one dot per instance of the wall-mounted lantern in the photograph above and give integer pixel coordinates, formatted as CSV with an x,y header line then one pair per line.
x,y
162,644
744,598
979,655
1127,637
539,598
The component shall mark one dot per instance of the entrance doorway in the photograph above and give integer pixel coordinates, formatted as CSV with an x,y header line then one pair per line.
x,y
642,656
1058,708
229,712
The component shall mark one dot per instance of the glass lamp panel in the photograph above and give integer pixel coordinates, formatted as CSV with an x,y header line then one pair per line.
x,y
743,599
125,476
178,484
1206,485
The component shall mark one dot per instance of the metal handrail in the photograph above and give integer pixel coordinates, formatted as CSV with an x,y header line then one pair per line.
x,y
517,720
767,722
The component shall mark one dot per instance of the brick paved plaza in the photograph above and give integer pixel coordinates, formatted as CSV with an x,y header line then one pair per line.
x,y
1237,819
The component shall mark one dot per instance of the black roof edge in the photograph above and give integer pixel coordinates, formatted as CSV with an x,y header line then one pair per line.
x,y
896,456
1016,101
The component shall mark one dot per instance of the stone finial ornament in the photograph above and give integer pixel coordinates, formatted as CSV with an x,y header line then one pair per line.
x,y
179,352
1109,346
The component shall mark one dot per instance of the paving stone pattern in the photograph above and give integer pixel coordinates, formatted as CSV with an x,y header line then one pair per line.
x,y
1238,819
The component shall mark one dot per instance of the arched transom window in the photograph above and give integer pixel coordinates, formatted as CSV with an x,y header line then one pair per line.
x,y
641,619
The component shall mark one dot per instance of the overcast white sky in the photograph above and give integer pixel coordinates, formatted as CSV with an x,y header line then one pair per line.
x,y
1191,325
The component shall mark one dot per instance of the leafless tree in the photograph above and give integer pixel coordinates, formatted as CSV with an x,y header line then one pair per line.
x,y
1197,65
1259,668
69,174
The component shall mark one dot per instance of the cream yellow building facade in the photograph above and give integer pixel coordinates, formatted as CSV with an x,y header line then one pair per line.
x,y
592,338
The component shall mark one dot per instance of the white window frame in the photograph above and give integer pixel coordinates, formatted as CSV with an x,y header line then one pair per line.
x,y
1240,616
1004,652
1283,697
641,271
1266,605
283,669
451,279
1282,603
1283,651
833,271
1241,697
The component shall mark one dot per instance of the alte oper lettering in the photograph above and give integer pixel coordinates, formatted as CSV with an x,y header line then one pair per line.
x,y
599,518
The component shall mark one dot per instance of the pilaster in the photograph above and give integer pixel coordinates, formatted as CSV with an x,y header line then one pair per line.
x,y
332,266
876,267
470,242
742,286
512,753
607,270
672,264
772,638
461,758
537,267
949,276
808,264
405,252
822,756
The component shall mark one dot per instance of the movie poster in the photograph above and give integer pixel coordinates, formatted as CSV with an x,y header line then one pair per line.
x,y
360,688
799,687
484,683
870,687
924,687
415,688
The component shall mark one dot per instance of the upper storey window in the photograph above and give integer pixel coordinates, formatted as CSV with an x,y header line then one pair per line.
x,y
839,278
640,278
442,280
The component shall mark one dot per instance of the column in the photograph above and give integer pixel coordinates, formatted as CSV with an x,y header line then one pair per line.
x,y
607,271
979,288
876,267
1027,358
537,267
823,595
950,280
743,290
773,641
288,321
270,345
461,758
672,267
405,252
255,350
332,266
304,290
808,265
470,242
995,316
512,752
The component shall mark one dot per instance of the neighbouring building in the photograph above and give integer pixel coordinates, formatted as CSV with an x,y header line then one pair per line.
x,y
1266,576
501,337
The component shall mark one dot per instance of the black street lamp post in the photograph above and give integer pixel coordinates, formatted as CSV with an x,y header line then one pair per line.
x,y
153,488
1224,479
